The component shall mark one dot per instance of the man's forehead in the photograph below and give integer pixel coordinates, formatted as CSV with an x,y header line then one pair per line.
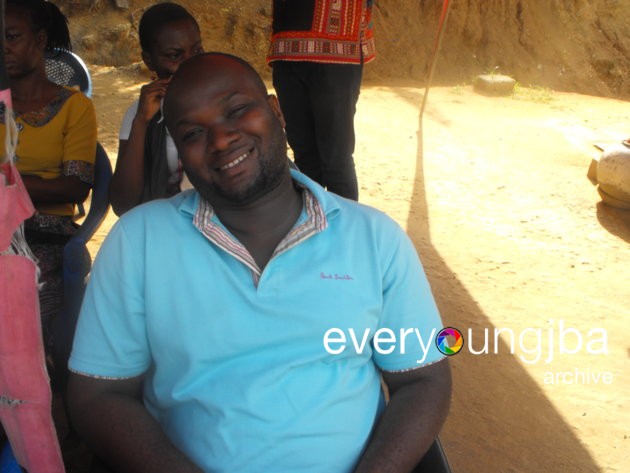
x,y
217,66
217,76
205,86
216,89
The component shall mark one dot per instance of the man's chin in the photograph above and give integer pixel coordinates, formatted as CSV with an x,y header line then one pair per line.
x,y
244,192
218,196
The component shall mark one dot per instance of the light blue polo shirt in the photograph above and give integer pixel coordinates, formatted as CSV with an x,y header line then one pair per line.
x,y
251,378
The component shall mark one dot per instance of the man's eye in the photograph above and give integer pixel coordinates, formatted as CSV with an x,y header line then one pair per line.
x,y
198,50
237,111
12,37
191,135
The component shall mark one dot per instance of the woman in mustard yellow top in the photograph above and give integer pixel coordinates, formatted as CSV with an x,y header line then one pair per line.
x,y
56,138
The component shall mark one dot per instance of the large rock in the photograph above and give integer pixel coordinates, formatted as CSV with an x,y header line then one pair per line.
x,y
494,84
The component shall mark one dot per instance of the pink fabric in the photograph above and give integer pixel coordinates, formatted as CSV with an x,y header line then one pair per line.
x,y
5,98
15,204
25,397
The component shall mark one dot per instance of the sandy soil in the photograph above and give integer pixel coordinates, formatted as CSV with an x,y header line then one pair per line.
x,y
513,236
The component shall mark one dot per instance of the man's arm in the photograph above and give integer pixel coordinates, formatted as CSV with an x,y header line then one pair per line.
x,y
419,403
115,423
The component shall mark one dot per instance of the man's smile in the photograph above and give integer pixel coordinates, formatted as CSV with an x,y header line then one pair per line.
x,y
235,162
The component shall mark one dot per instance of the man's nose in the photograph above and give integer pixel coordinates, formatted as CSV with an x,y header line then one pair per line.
x,y
187,55
221,136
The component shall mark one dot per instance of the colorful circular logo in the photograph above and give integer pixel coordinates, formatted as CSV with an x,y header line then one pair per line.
x,y
449,341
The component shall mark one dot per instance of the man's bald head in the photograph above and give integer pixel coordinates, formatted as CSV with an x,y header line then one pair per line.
x,y
201,69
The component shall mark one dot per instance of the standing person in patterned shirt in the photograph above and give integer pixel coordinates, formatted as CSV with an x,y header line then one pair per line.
x,y
317,52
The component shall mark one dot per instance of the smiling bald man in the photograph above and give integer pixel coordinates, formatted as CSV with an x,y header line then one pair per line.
x,y
204,342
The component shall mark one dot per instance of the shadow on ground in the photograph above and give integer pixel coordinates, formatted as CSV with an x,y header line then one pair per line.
x,y
616,221
517,429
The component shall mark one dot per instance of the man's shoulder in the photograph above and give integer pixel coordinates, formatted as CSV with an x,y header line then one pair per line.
x,y
344,212
161,212
361,210
371,218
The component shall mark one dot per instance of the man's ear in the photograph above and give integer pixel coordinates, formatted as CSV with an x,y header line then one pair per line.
x,y
272,100
146,58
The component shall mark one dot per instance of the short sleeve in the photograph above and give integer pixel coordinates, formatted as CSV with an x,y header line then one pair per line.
x,y
410,315
79,142
83,170
127,121
111,339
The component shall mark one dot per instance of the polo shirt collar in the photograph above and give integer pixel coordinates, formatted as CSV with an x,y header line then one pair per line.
x,y
328,202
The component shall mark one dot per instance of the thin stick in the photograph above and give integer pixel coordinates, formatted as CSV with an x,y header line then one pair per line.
x,y
438,43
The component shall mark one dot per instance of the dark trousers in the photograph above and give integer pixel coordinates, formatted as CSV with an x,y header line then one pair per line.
x,y
319,102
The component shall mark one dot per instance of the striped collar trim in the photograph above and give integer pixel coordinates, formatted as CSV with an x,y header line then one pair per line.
x,y
315,221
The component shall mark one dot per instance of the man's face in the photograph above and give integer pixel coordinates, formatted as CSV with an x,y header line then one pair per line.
x,y
228,132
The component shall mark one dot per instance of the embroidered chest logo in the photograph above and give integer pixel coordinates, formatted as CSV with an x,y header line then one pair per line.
x,y
336,276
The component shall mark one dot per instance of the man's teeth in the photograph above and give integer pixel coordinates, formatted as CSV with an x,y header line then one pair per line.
x,y
238,160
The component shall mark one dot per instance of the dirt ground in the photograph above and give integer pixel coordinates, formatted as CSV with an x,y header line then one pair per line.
x,y
494,194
